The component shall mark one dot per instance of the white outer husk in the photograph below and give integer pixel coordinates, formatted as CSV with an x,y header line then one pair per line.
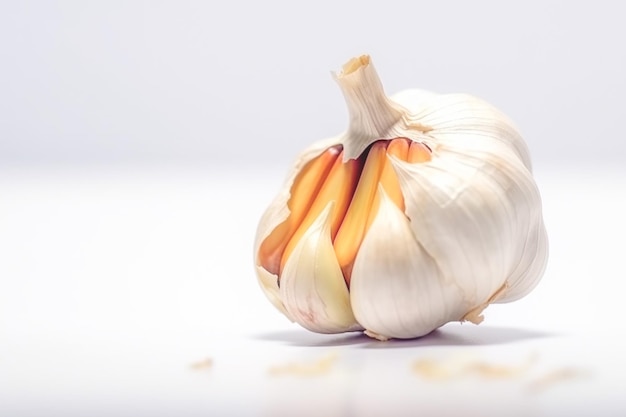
x,y
472,232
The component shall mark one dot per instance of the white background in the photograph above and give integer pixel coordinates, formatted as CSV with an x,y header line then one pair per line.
x,y
141,141
128,81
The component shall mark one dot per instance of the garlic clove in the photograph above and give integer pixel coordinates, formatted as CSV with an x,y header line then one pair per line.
x,y
336,187
275,215
354,224
397,290
454,224
302,195
532,264
312,286
468,210
279,210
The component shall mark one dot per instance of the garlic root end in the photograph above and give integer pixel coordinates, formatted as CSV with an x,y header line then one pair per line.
x,y
376,336
475,315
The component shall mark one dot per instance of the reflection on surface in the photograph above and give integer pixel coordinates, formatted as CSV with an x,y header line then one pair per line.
x,y
452,335
372,378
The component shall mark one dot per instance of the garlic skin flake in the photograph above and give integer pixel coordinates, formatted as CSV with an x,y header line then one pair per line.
x,y
423,212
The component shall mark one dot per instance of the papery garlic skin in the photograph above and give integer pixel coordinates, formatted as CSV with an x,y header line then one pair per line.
x,y
471,231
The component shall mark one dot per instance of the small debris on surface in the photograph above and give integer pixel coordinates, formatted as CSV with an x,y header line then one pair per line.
x,y
319,367
556,376
460,367
455,368
205,363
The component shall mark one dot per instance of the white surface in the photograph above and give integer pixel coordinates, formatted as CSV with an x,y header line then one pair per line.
x,y
112,282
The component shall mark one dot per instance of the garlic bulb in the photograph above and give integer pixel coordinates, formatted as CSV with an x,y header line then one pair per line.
x,y
424,212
